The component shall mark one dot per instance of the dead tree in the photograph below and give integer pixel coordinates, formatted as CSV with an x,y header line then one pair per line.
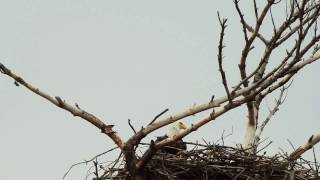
x,y
300,27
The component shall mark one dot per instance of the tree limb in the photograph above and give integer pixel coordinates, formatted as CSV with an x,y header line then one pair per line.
x,y
220,56
76,111
313,140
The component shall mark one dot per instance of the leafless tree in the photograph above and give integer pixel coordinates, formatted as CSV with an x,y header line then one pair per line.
x,y
297,33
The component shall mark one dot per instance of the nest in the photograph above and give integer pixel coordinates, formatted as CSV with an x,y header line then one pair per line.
x,y
221,163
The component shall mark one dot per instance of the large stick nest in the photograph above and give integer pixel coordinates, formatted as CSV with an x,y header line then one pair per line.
x,y
221,163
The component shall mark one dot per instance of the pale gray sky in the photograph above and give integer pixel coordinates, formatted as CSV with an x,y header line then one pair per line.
x,y
123,60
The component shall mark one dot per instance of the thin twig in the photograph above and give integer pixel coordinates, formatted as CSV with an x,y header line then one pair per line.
x,y
95,163
157,116
131,126
255,9
87,161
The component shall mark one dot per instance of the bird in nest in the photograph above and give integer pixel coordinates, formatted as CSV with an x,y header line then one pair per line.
x,y
177,146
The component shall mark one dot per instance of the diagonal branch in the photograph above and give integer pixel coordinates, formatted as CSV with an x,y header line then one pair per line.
x,y
262,85
260,36
243,22
189,130
266,85
272,112
221,110
313,140
76,111
157,116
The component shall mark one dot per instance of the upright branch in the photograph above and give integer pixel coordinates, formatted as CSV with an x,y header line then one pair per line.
x,y
223,26
252,106
249,41
243,22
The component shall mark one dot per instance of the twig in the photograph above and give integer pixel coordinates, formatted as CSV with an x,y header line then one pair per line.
x,y
223,136
273,23
157,116
260,36
95,163
212,98
147,155
264,147
227,162
243,22
249,41
87,161
291,144
255,9
279,101
129,122
315,162
113,166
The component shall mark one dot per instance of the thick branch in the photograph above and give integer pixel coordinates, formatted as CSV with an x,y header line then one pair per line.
x,y
314,139
261,85
189,130
223,110
226,108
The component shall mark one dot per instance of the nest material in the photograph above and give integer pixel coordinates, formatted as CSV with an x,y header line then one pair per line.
x,y
223,163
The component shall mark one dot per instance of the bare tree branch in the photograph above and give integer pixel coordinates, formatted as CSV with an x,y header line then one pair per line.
x,y
260,36
131,126
299,27
247,48
255,9
87,161
157,116
220,56
236,3
76,111
314,139
272,112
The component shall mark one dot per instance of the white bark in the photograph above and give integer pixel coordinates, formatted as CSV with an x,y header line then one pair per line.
x,y
314,139
249,139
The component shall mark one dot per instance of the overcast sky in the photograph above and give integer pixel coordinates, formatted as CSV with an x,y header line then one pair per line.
x,y
121,60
